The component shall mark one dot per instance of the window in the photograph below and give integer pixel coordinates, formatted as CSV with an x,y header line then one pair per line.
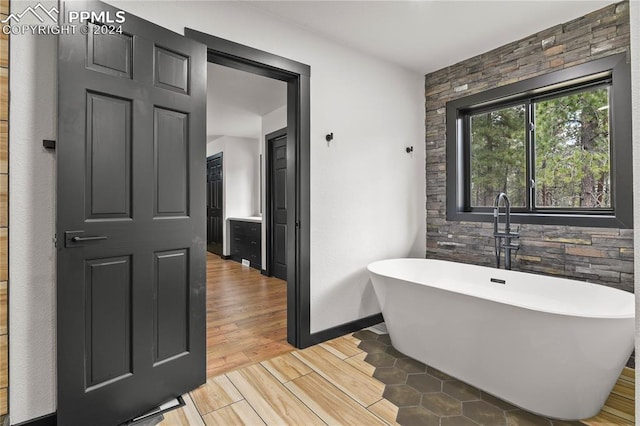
x,y
568,142
558,145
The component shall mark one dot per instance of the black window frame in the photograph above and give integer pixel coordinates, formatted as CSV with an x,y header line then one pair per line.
x,y
613,71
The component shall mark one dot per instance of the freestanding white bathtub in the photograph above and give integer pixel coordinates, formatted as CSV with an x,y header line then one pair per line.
x,y
549,345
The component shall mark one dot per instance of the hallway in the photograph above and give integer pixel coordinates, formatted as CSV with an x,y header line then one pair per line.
x,y
246,316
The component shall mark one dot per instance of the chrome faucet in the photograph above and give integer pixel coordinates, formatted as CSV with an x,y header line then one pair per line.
x,y
507,235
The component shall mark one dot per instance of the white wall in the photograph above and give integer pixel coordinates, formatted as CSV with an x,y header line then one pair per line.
x,y
275,120
367,194
241,178
634,12
226,120
215,146
32,365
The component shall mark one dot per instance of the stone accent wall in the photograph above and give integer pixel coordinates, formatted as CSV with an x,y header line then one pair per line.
x,y
600,255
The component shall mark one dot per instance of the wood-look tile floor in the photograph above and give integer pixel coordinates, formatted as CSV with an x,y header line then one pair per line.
x,y
331,383
619,409
246,316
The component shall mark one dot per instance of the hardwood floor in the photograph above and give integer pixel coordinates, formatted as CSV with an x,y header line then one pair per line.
x,y
246,316
619,409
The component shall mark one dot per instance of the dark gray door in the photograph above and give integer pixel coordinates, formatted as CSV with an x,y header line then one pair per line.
x,y
130,219
278,203
214,204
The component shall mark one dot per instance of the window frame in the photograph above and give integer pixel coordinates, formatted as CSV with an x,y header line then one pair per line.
x,y
614,69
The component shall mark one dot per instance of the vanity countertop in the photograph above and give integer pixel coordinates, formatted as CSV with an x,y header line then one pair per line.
x,y
256,219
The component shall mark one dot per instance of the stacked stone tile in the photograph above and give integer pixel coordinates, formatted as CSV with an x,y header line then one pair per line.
x,y
600,255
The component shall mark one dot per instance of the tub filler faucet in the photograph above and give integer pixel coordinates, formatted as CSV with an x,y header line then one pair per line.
x,y
503,239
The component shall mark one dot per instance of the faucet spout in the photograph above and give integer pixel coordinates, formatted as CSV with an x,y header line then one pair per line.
x,y
496,213
507,234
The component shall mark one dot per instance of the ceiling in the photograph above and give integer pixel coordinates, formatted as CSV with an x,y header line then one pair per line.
x,y
427,35
419,35
237,100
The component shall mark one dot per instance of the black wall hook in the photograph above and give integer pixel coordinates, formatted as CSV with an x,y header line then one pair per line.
x,y
409,149
329,137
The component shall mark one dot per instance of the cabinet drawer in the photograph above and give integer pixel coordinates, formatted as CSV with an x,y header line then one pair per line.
x,y
246,241
238,228
255,260
254,250
253,230
236,249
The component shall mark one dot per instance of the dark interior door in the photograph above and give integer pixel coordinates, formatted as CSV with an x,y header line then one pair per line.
x,y
214,204
130,219
278,205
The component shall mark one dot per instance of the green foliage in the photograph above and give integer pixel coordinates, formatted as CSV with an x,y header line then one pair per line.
x,y
498,156
572,152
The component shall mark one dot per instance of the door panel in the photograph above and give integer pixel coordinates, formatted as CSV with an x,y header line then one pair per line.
x,y
278,167
108,161
109,53
214,204
130,171
171,162
108,311
280,249
172,70
171,294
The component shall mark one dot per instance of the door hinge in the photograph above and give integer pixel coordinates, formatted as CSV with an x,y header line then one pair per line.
x,y
55,240
297,224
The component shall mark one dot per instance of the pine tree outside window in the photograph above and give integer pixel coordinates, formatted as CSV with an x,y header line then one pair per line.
x,y
558,145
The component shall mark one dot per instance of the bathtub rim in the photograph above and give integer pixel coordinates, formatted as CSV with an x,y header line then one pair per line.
x,y
630,315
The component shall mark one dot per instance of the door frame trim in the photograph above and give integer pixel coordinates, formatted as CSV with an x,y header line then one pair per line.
x,y
297,76
268,140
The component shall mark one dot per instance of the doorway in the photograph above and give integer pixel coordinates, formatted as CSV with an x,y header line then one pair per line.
x,y
249,322
276,209
215,220
297,77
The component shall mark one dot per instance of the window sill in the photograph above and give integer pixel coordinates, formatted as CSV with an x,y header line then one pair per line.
x,y
581,220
